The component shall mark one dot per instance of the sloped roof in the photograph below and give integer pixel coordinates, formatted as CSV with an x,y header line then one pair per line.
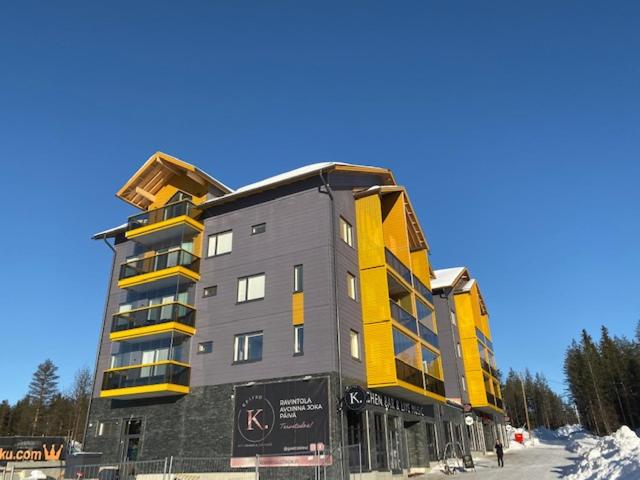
x,y
295,175
447,277
141,188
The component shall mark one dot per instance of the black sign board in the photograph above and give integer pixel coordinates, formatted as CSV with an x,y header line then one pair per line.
x,y
280,419
34,449
467,461
355,398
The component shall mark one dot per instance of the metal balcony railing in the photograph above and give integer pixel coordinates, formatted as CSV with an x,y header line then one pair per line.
x,y
397,265
154,315
403,317
146,375
171,210
160,261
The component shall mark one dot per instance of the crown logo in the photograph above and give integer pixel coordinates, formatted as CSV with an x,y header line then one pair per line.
x,y
51,454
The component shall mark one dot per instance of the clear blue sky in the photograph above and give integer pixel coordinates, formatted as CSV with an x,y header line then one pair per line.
x,y
514,125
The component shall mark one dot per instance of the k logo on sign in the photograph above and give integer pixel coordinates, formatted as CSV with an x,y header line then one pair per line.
x,y
355,398
256,419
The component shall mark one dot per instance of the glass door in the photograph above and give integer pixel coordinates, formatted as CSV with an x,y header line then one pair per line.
x,y
393,432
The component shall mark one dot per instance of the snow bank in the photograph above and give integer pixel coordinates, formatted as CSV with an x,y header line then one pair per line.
x,y
616,457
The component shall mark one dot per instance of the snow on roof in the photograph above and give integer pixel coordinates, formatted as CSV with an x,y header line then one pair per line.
x,y
283,178
446,277
111,232
467,286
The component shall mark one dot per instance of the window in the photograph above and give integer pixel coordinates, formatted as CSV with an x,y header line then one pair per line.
x,y
431,363
351,286
251,288
346,232
425,314
210,291
220,243
205,347
355,344
464,383
248,347
259,228
405,349
297,279
453,317
458,350
298,339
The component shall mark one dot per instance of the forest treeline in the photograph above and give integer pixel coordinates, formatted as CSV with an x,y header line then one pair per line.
x,y
45,410
545,407
603,377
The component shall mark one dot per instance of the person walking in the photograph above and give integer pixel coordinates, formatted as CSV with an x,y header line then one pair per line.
x,y
500,453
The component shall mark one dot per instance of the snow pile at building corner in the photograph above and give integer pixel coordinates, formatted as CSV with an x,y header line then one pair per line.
x,y
615,457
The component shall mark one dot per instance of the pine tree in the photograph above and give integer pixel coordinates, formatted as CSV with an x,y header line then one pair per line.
x,y
43,387
5,417
80,395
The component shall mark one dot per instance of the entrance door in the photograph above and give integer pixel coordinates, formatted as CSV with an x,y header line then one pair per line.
x,y
432,442
357,445
393,431
132,439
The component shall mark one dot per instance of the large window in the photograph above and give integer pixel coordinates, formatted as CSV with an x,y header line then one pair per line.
x,y
297,279
355,344
431,363
352,286
425,315
248,347
220,243
251,288
298,339
405,349
346,232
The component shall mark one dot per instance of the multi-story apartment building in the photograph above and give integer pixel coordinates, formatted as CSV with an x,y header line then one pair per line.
x,y
468,357
237,319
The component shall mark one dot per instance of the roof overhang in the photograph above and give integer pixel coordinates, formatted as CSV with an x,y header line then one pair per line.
x,y
417,238
297,175
141,188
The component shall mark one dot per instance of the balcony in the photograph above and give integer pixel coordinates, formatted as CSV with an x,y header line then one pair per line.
x,y
152,380
428,335
403,317
409,374
434,385
485,365
499,403
491,399
173,221
399,267
422,289
153,319
161,266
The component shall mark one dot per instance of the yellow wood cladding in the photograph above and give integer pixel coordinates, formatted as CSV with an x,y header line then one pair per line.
x,y
179,183
374,295
144,390
396,237
159,275
369,230
151,330
297,308
420,266
380,363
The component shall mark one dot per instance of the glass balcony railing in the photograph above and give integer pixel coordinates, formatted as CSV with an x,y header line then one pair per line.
x,y
403,317
154,315
491,399
499,403
171,210
160,261
481,336
428,335
146,375
397,265
409,374
485,365
488,343
434,385
422,289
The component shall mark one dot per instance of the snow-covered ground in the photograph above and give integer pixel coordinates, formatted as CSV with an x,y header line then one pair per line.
x,y
567,453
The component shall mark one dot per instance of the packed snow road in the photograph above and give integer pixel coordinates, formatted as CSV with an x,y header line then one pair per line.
x,y
548,462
